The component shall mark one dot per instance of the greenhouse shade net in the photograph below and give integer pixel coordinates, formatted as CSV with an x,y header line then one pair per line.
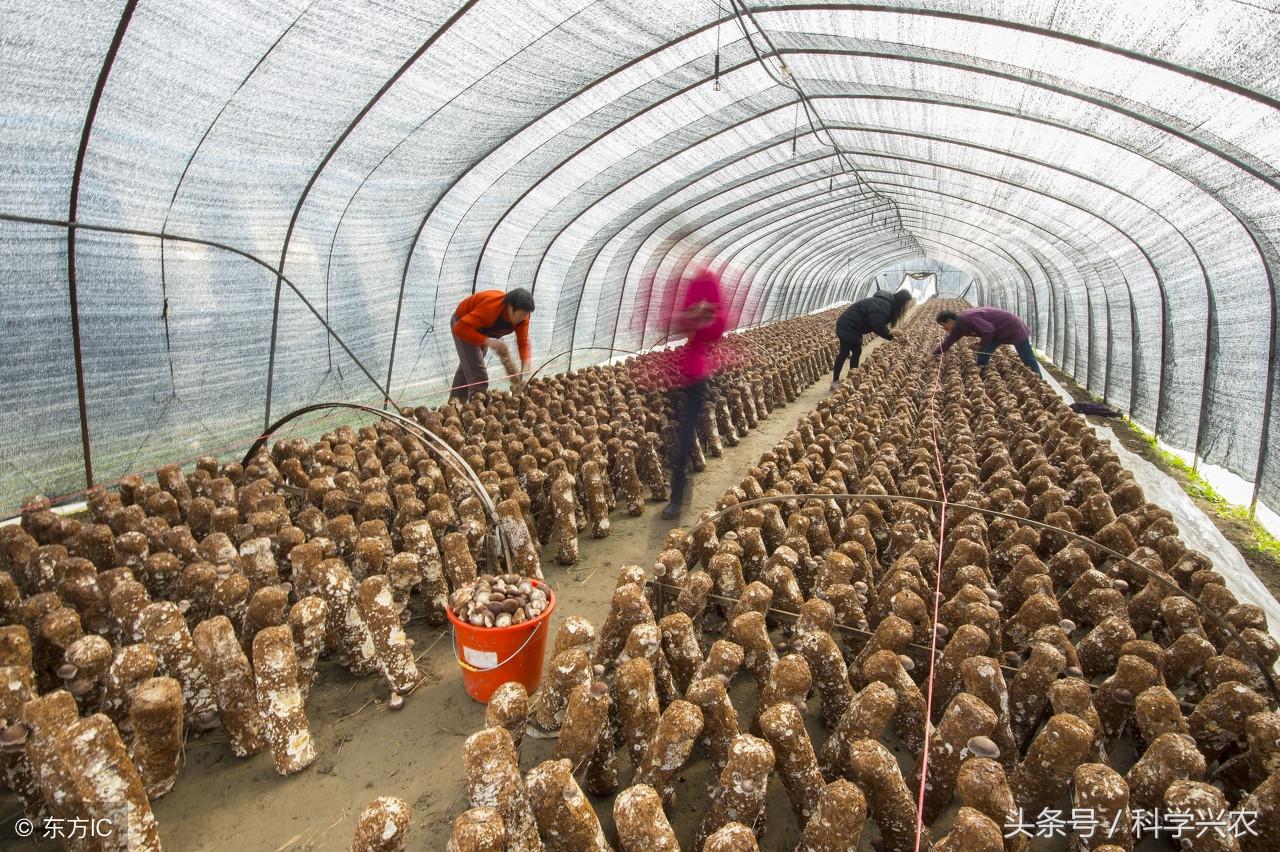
x,y
213,214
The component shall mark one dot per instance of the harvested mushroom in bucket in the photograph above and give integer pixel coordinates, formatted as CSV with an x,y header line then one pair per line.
x,y
498,600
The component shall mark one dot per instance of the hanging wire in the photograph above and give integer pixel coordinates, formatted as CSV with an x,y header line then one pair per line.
x,y
816,125
715,86
795,127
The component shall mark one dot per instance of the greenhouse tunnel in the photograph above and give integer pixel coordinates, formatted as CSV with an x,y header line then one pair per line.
x,y
213,214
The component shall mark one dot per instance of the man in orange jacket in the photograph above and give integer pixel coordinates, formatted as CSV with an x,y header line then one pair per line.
x,y
478,323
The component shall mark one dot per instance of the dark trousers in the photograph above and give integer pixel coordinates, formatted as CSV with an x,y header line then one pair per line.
x,y
1022,347
688,401
471,376
850,348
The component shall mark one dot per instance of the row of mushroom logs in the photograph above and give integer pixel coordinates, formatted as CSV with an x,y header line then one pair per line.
x,y
1025,444
582,444
616,701
209,597
1054,651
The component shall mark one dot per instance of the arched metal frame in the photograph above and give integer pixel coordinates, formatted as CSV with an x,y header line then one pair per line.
x,y
1086,212
1164,358
438,447
1061,127
797,296
73,207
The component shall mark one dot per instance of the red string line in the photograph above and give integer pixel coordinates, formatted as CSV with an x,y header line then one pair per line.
x,y
937,601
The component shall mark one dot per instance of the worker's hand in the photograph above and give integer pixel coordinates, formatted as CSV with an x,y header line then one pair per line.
x,y
493,344
696,316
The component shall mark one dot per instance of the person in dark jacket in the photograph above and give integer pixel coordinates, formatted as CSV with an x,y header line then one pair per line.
x,y
994,328
875,315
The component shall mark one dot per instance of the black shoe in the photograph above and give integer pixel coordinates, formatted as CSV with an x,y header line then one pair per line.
x,y
671,511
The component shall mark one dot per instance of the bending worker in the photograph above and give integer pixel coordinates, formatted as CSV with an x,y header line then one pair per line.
x,y
875,315
994,328
478,323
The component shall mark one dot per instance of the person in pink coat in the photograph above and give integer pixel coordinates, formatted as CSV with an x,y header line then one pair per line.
x,y
703,319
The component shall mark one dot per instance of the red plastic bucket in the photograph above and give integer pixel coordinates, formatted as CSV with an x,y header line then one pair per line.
x,y
492,656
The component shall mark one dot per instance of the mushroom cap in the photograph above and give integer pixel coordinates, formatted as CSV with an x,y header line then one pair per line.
x,y
983,747
80,687
205,721
14,736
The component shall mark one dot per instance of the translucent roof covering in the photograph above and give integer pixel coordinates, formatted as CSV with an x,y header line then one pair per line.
x,y
213,213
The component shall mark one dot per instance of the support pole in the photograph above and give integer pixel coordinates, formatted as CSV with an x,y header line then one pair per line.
x,y
73,208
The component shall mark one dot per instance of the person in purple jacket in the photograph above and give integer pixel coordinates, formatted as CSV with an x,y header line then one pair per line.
x,y
994,328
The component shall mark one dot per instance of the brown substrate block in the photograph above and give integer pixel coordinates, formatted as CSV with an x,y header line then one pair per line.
x,y
889,801
493,781
568,670
284,721
156,714
638,709
743,784
383,826
783,727
641,824
677,731
1101,792
508,708
478,830
837,821
565,818
1063,744
391,647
